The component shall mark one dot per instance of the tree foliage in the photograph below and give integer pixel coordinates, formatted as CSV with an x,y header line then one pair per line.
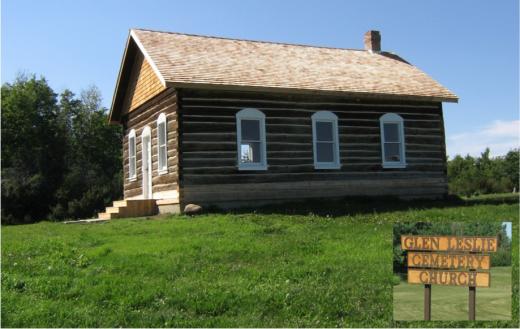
x,y
60,159
480,175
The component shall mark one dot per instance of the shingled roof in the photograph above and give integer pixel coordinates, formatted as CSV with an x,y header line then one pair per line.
x,y
184,60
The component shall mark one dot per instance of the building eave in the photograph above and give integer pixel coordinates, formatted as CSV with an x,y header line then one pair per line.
x,y
339,93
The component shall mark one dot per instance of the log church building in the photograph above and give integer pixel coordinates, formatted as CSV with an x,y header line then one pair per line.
x,y
231,123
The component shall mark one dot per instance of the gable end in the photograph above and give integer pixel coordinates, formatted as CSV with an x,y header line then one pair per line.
x,y
143,84
138,82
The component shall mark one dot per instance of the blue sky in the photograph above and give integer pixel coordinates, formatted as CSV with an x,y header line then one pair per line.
x,y
509,229
471,47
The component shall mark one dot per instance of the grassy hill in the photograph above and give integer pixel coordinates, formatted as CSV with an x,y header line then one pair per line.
x,y
322,264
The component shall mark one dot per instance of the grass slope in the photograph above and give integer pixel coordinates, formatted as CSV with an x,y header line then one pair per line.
x,y
451,303
265,269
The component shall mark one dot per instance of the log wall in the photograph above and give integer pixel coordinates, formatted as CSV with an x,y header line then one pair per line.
x,y
209,158
147,115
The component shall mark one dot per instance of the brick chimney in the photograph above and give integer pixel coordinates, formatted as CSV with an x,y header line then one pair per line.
x,y
373,41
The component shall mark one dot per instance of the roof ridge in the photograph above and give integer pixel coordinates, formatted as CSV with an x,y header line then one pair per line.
x,y
247,40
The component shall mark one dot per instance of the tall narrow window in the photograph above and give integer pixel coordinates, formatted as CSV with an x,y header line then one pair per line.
x,y
325,140
251,140
392,141
131,155
162,151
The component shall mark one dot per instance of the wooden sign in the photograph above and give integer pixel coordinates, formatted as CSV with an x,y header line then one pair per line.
x,y
449,278
449,243
448,261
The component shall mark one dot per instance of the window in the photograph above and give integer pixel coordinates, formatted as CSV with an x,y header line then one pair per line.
x,y
392,141
251,140
325,140
162,151
131,155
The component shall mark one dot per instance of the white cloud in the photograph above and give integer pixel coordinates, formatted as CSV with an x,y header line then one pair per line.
x,y
500,137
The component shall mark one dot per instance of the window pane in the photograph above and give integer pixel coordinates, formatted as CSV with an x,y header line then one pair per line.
x,y
250,152
132,167
162,157
250,130
162,133
325,152
131,157
391,131
324,131
392,152
131,147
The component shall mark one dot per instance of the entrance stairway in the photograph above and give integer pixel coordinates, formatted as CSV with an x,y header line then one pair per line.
x,y
130,208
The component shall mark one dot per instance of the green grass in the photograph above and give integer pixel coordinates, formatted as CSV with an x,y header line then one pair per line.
x,y
323,264
451,303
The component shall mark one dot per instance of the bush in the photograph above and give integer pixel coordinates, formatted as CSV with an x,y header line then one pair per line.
x,y
480,175
501,258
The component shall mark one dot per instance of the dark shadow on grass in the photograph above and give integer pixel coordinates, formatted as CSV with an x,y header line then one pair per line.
x,y
362,205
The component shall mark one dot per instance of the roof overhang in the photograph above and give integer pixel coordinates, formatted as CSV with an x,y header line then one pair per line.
x,y
337,93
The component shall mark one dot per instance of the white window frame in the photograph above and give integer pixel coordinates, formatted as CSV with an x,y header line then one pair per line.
x,y
162,120
132,157
251,114
326,116
396,119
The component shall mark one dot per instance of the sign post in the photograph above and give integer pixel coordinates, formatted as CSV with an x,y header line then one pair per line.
x,y
449,261
471,306
427,302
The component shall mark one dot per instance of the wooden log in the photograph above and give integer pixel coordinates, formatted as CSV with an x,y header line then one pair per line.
x,y
309,167
170,177
344,176
304,189
131,192
210,154
165,187
188,146
344,113
150,116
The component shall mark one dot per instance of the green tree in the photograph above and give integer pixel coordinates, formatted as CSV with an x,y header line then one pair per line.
x,y
93,176
60,159
484,174
511,167
32,149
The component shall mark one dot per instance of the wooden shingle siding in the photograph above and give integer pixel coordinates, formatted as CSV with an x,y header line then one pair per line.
x,y
147,115
209,156
144,84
